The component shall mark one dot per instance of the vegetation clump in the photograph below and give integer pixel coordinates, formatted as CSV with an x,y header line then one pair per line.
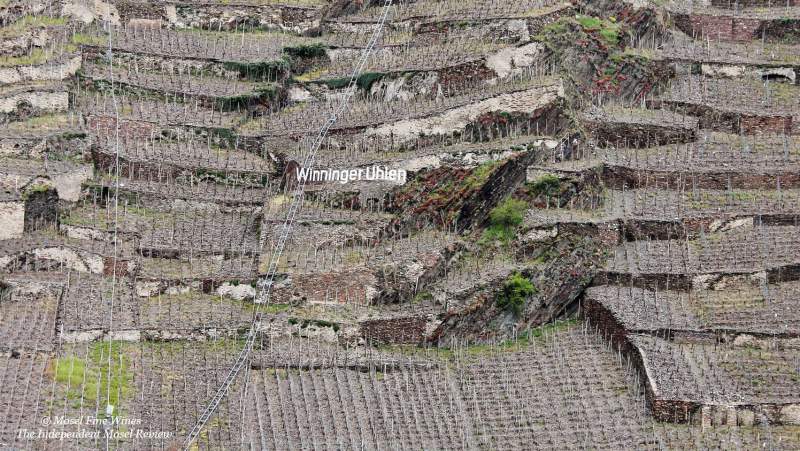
x,y
593,55
363,82
36,190
608,29
504,220
316,50
547,185
440,194
516,290
262,70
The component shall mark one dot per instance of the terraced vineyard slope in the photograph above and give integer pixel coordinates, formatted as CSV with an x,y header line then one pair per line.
x,y
437,224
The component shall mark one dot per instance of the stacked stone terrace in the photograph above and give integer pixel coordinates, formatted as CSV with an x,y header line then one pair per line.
x,y
149,151
699,289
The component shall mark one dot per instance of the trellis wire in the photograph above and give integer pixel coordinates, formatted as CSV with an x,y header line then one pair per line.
x,y
265,284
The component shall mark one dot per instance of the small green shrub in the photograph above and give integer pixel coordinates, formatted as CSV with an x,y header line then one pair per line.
x,y
516,290
306,51
589,22
548,185
509,213
503,221
422,296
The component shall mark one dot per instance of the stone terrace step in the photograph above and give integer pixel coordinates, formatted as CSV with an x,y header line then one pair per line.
x,y
291,16
203,273
45,250
695,378
102,112
478,10
219,92
638,127
169,232
716,161
712,152
726,24
32,98
465,56
199,45
449,114
726,58
699,204
86,309
736,4
660,214
769,253
204,192
17,174
35,130
735,105
167,160
729,306
28,308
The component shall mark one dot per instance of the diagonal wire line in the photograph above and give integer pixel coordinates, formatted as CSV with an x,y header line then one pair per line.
x,y
266,283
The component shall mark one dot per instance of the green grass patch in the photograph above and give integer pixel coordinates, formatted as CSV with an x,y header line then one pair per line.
x,y
311,75
37,56
422,296
274,309
93,378
88,39
35,190
481,174
29,22
590,22
608,30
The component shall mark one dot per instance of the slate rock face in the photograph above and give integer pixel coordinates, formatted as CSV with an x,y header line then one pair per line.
x,y
41,209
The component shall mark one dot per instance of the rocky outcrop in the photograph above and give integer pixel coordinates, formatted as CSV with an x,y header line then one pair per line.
x,y
572,261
